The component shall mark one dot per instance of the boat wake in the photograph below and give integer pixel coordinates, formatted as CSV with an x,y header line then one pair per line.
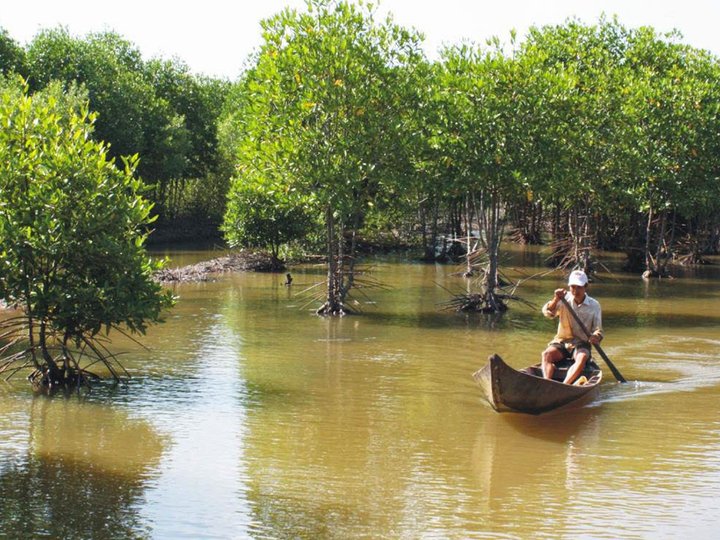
x,y
665,365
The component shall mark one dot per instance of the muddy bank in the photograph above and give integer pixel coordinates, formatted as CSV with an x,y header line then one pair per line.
x,y
241,261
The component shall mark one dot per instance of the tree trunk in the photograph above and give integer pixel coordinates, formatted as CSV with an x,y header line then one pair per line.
x,y
468,233
660,248
336,289
54,373
332,302
649,263
586,261
494,236
422,216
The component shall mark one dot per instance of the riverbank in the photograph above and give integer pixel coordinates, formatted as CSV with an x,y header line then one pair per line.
x,y
240,261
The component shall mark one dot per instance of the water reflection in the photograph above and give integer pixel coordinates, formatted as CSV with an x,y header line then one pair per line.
x,y
74,470
249,417
200,490
575,475
537,460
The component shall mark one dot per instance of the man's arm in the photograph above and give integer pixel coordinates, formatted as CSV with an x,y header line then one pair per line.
x,y
551,307
597,331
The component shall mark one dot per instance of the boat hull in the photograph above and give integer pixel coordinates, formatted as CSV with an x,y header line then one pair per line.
x,y
526,391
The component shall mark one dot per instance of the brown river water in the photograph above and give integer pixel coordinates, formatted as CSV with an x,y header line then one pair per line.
x,y
249,417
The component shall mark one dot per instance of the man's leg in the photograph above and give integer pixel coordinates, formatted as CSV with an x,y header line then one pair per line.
x,y
580,359
548,358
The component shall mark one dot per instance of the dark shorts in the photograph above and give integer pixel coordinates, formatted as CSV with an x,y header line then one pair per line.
x,y
569,350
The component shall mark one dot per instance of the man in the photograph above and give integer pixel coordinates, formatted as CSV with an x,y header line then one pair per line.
x,y
570,342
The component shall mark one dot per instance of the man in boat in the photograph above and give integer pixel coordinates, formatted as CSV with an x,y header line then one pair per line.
x,y
570,342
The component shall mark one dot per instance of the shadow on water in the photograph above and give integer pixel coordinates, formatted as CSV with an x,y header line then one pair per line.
x,y
75,470
43,496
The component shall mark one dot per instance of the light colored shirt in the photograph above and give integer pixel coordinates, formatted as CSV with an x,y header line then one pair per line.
x,y
568,330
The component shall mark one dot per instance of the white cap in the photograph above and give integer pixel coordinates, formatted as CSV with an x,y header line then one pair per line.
x,y
578,277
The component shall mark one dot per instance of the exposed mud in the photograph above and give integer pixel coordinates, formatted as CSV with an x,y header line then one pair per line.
x,y
241,261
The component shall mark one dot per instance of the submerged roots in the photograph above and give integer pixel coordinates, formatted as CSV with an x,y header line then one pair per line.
x,y
338,309
45,381
476,302
349,293
55,363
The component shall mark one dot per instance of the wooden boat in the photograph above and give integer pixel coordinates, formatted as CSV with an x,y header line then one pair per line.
x,y
526,391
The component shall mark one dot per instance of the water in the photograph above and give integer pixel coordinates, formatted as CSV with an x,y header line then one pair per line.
x,y
248,417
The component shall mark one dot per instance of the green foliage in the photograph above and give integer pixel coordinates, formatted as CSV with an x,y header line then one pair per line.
x,y
323,109
72,223
12,56
673,111
597,129
583,136
631,136
110,68
260,216
486,125
155,109
324,102
598,123
198,101
198,183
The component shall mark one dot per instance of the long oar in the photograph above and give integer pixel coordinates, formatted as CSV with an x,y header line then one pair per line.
x,y
614,370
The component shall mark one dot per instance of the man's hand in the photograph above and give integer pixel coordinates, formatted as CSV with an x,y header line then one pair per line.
x,y
594,339
558,295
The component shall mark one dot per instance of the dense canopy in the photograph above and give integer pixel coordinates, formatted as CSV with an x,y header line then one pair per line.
x,y
341,134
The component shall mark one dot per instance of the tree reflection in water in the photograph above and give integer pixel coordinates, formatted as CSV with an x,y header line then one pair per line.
x,y
82,473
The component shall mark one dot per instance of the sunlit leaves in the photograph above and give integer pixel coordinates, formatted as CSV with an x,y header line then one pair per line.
x,y
328,83
260,215
70,220
157,109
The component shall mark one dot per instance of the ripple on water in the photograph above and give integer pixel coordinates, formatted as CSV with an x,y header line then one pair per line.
x,y
664,365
